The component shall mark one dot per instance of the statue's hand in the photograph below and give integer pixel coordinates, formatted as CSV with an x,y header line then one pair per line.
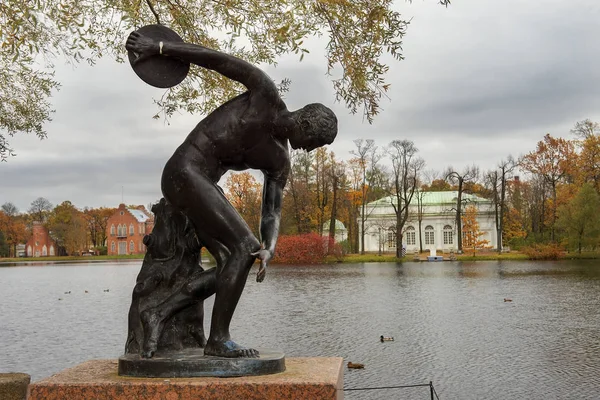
x,y
142,46
264,256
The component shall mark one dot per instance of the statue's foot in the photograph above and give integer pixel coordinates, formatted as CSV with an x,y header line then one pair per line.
x,y
229,349
152,325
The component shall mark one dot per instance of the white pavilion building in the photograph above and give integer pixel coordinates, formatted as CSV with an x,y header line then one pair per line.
x,y
438,225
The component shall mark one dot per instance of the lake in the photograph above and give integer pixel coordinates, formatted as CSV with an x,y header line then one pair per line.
x,y
449,319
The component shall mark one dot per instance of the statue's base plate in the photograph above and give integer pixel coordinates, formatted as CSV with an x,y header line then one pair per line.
x,y
193,363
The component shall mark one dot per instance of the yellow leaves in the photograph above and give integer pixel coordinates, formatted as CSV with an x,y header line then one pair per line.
x,y
470,230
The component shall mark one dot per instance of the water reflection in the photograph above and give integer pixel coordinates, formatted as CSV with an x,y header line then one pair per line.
x,y
449,320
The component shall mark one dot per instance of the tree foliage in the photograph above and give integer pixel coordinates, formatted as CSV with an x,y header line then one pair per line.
x,y
35,33
68,228
471,232
245,193
580,219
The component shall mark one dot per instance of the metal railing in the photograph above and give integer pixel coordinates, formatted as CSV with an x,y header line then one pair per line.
x,y
432,392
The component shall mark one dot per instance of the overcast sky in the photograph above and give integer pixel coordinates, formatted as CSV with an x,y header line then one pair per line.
x,y
482,80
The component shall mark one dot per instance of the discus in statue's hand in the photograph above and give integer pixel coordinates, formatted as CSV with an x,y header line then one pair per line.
x,y
158,70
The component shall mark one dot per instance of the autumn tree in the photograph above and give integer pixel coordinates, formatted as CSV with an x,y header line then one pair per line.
x,y
588,162
297,193
12,227
245,194
338,178
39,209
470,230
322,186
406,167
457,178
553,162
496,181
360,34
580,219
96,219
68,228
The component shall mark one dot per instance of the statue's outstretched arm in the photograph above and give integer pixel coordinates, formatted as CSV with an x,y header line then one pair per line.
x,y
232,67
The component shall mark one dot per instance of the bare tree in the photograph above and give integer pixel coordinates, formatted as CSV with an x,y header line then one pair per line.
x,y
469,174
10,209
39,209
405,169
367,156
337,171
586,128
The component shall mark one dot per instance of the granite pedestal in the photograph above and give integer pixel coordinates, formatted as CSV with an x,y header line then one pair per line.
x,y
13,385
304,378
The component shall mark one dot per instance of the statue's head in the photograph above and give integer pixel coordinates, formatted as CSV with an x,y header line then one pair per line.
x,y
316,126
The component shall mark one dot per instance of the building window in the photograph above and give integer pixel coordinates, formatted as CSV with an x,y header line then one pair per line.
x,y
131,247
113,247
429,235
141,229
447,234
122,213
112,230
51,250
131,230
391,238
44,251
411,237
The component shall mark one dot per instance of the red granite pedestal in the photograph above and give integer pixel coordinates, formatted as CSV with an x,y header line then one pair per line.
x,y
304,378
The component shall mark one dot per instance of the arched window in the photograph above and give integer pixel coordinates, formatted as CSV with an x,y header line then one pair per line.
x,y
448,234
29,251
44,251
131,247
391,237
112,230
429,234
51,250
113,247
411,237
131,229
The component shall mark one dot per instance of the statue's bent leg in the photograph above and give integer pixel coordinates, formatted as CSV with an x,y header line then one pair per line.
x,y
153,319
217,224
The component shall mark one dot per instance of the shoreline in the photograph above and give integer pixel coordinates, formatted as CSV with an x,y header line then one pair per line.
x,y
349,258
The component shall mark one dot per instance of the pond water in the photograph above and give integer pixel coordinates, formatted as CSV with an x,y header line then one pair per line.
x,y
450,323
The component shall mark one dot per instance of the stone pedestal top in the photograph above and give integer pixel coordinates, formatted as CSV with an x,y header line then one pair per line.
x,y
317,378
13,385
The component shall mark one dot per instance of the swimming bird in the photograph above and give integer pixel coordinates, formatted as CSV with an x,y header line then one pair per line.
x,y
106,290
86,291
69,292
355,365
60,298
507,300
386,338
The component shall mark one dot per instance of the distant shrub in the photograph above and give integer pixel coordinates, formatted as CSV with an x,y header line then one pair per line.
x,y
310,248
102,250
542,251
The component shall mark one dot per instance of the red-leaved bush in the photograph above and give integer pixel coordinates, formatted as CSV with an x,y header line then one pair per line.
x,y
310,248
542,251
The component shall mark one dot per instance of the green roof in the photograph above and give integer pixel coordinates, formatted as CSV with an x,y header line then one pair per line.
x,y
432,198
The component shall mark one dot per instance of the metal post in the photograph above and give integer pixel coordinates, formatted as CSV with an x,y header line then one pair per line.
x,y
431,389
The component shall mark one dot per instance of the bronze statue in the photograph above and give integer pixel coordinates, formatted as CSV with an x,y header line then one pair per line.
x,y
251,130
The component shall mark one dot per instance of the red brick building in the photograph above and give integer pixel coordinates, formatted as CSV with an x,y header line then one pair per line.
x,y
40,244
126,228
